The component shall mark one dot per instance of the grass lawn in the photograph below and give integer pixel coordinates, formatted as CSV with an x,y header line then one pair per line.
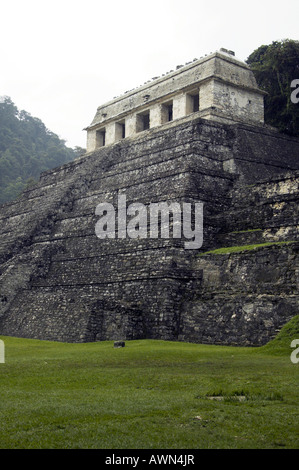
x,y
149,395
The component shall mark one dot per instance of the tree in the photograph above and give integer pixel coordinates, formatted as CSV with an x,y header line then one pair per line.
x,y
27,148
275,66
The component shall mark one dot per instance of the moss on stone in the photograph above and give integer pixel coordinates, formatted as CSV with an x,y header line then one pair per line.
x,y
237,249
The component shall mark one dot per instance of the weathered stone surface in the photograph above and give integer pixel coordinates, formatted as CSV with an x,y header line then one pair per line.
x,y
243,298
217,87
58,281
119,344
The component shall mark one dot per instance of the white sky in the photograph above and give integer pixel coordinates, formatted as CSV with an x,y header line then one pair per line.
x,y
61,59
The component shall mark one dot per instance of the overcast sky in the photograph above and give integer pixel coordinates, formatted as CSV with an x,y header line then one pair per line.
x,y
61,59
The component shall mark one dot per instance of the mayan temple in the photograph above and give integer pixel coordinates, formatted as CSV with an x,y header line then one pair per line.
x,y
196,134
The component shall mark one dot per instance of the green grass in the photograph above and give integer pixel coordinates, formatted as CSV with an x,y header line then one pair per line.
x,y
237,249
149,395
280,345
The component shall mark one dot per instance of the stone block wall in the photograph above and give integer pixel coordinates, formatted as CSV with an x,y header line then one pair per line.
x,y
243,298
58,281
217,87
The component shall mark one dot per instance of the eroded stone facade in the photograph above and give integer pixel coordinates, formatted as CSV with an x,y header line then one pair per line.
x,y
58,281
217,87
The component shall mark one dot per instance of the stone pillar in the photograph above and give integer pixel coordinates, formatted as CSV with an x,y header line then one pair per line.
x,y
206,95
179,106
131,125
110,133
91,141
155,116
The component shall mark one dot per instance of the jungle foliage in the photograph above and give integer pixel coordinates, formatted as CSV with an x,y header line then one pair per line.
x,y
27,148
275,67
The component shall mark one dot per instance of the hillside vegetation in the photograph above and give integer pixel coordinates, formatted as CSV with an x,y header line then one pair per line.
x,y
275,67
27,148
281,343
